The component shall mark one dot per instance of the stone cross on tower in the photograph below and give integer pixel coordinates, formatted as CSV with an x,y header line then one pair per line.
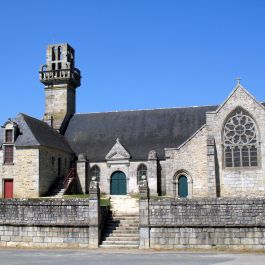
x,y
61,79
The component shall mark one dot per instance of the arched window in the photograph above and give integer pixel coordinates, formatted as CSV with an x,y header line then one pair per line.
x,y
141,171
240,140
53,54
95,172
182,186
59,53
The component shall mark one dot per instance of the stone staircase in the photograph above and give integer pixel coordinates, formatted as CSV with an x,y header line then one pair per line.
x,y
57,190
62,184
122,226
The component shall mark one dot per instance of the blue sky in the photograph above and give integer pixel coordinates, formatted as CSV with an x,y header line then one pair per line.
x,y
134,54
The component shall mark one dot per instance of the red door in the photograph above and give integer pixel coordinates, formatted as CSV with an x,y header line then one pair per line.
x,y
8,188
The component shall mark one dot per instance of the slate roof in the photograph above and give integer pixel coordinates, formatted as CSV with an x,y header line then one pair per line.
x,y
34,132
139,131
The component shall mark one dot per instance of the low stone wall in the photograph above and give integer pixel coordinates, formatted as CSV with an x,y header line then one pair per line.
x,y
216,212
203,223
44,223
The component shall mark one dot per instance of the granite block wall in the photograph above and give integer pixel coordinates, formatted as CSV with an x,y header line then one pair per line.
x,y
44,223
207,223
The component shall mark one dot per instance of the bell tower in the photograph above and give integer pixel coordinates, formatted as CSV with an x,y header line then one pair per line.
x,y
61,79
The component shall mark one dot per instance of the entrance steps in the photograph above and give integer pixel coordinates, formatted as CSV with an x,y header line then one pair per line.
x,y
122,226
124,204
121,231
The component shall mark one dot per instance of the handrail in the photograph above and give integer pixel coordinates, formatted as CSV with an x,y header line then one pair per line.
x,y
69,178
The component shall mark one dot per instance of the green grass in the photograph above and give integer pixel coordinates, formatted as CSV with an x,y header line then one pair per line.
x,y
76,196
104,201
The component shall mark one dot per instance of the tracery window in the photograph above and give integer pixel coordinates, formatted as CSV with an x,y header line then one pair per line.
x,y
240,140
95,172
141,171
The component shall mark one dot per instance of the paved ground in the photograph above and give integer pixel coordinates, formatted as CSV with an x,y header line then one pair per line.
x,y
67,257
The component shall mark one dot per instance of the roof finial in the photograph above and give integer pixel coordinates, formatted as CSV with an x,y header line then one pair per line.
x,y
118,140
238,79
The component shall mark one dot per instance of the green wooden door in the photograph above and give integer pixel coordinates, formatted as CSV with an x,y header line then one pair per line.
x,y
183,187
118,184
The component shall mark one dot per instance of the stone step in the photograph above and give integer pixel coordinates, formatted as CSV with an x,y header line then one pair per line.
x,y
123,216
120,234
120,243
120,238
122,225
122,231
123,222
120,246
125,229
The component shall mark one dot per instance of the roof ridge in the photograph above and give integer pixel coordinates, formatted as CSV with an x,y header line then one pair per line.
x,y
115,111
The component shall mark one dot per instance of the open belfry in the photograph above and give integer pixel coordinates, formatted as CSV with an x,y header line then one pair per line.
x,y
176,177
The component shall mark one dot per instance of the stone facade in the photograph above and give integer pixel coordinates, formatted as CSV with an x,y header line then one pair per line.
x,y
53,164
34,170
24,172
189,159
239,181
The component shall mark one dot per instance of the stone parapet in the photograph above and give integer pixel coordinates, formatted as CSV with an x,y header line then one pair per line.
x,y
233,223
44,212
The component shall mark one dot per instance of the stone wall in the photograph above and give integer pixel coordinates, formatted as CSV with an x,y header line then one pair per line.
x,y
239,181
189,159
204,223
44,223
24,172
48,168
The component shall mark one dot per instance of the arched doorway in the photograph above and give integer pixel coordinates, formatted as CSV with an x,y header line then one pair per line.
x,y
182,186
118,183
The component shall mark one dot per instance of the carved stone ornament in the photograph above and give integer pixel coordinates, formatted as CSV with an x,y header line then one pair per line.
x,y
93,185
118,152
82,157
152,155
143,183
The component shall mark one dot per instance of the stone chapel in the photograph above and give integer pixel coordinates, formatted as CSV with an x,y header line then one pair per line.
x,y
207,151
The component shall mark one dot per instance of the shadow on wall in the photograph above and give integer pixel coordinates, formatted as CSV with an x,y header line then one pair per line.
x,y
217,173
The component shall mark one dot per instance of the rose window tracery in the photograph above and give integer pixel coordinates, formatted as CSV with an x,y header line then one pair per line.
x,y
240,140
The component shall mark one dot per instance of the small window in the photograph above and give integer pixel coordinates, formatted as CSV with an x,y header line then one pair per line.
x,y
95,172
9,154
59,53
182,186
53,161
141,171
53,53
9,136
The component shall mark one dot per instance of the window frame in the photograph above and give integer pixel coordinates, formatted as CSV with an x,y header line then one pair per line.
x,y
95,168
141,170
240,147
11,161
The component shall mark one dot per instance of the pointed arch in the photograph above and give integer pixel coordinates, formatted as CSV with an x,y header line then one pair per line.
x,y
240,140
95,172
141,171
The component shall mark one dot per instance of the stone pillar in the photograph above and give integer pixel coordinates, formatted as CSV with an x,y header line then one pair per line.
x,y
94,214
144,214
211,167
152,172
81,169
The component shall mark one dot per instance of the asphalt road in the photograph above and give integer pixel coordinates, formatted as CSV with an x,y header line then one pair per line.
x,y
76,257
